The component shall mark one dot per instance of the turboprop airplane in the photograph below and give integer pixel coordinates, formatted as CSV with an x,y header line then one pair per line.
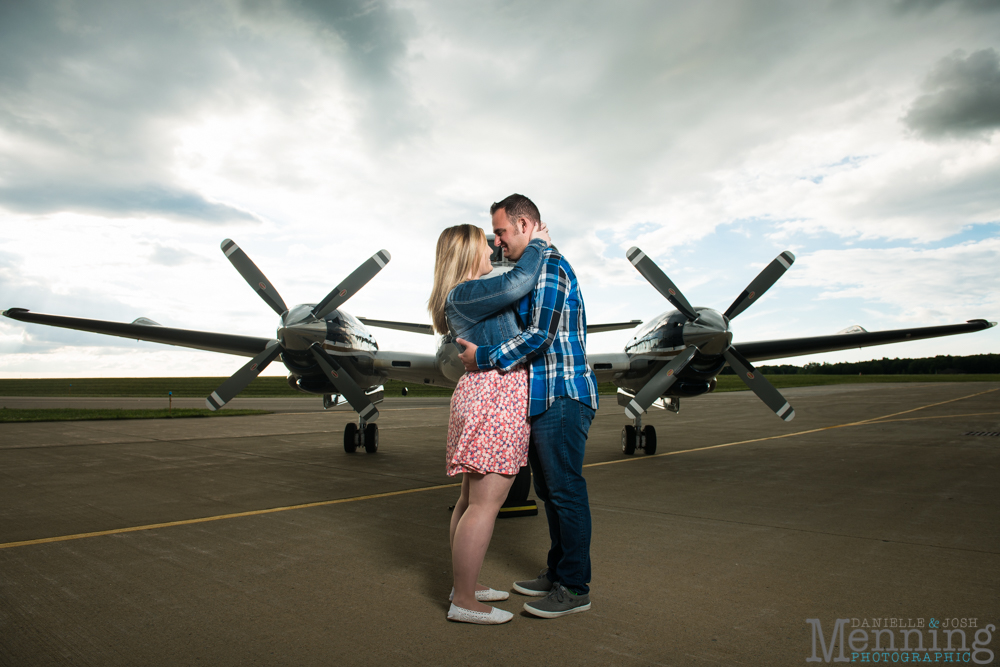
x,y
679,353
326,350
329,352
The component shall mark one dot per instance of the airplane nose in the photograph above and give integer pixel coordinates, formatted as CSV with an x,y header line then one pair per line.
x,y
301,336
709,332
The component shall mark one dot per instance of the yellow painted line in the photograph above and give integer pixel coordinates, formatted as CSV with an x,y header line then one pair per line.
x,y
188,522
917,419
788,435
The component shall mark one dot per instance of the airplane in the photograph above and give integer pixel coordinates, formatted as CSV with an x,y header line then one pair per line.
x,y
326,350
679,353
329,352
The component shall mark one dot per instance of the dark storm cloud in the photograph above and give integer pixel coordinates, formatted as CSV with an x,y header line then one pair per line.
x,y
369,40
930,5
88,94
92,93
963,96
128,200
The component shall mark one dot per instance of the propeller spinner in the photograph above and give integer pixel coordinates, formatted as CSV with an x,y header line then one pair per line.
x,y
302,328
707,331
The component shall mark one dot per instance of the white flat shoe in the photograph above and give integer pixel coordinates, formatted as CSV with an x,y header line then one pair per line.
x,y
489,595
495,617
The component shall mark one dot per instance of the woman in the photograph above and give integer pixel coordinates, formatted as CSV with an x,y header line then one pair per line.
x,y
488,429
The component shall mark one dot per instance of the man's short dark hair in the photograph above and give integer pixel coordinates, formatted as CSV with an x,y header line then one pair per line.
x,y
517,206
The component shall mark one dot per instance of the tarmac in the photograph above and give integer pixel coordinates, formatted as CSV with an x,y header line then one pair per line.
x,y
259,541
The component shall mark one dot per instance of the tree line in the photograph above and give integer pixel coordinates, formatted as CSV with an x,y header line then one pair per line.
x,y
939,365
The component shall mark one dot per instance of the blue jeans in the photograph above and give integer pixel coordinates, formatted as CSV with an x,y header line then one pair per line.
x,y
558,440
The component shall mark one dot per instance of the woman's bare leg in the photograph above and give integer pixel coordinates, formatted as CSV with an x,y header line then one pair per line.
x,y
460,507
472,533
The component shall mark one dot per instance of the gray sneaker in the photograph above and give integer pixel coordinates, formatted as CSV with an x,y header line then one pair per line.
x,y
558,602
537,587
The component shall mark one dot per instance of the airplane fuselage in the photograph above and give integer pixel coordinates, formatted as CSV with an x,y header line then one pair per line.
x,y
341,336
663,337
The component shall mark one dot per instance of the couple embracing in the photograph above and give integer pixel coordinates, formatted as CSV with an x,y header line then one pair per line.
x,y
529,394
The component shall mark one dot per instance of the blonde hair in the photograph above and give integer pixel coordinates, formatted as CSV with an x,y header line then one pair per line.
x,y
458,253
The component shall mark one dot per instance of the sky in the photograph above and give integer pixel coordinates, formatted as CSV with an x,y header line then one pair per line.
x,y
135,136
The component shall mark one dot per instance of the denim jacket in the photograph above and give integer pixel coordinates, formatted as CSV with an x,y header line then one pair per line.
x,y
483,311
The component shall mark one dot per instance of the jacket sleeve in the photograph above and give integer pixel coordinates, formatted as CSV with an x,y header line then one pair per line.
x,y
550,298
478,299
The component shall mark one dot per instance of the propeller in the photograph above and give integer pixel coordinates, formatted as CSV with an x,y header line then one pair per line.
x,y
344,384
659,383
759,385
761,283
658,279
707,331
352,283
300,329
254,276
240,379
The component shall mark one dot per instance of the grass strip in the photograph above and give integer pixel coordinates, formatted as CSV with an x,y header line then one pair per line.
x,y
76,414
194,387
277,387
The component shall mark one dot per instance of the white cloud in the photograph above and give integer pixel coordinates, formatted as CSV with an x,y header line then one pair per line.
x,y
712,135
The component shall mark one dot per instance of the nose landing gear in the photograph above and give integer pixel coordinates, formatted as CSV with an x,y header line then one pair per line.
x,y
640,437
361,434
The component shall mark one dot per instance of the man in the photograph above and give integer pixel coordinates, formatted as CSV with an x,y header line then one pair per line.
x,y
562,399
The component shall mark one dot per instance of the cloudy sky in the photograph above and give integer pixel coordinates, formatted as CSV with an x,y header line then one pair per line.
x,y
136,136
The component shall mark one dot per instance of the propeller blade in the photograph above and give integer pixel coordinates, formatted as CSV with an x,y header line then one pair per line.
x,y
344,384
354,282
254,277
761,283
658,279
240,379
758,383
659,383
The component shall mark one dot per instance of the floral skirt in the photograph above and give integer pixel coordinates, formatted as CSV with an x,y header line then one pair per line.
x,y
488,430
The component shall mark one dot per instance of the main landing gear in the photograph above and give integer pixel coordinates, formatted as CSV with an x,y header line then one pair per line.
x,y
640,437
361,435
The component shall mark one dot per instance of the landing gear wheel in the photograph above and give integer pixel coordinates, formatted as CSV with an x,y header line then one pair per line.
x,y
628,440
649,440
371,438
351,438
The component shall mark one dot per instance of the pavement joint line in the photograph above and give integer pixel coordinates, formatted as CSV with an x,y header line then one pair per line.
x,y
346,412
790,528
864,422
321,503
219,517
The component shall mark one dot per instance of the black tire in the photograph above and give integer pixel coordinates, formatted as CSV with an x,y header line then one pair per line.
x,y
371,438
649,439
351,438
628,440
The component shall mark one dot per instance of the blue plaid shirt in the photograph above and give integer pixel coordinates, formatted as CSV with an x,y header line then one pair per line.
x,y
554,342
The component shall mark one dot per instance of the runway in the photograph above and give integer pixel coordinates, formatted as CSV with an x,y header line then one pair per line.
x,y
258,540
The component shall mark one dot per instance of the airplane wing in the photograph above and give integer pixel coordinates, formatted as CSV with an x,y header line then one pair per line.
x,y
794,347
599,328
245,346
398,326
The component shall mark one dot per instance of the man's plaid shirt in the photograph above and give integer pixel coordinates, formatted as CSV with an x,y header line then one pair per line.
x,y
553,343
